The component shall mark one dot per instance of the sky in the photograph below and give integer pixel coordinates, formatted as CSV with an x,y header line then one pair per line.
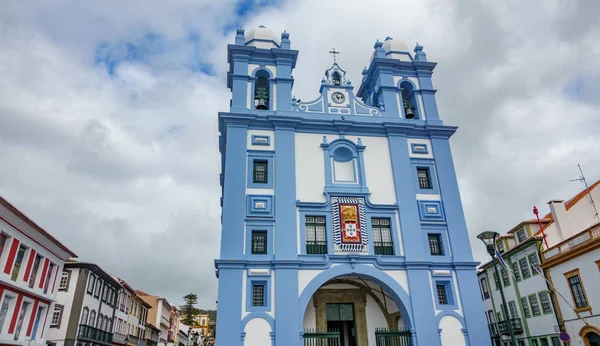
x,y
108,113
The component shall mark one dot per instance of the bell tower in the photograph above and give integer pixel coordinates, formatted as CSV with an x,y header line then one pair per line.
x,y
260,70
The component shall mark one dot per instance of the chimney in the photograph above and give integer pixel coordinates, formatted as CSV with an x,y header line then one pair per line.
x,y
561,219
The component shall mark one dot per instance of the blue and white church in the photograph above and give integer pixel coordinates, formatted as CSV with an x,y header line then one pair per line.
x,y
342,221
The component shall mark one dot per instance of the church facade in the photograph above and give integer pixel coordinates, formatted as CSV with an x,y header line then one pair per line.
x,y
342,222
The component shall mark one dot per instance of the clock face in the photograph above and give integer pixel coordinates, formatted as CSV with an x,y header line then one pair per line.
x,y
338,97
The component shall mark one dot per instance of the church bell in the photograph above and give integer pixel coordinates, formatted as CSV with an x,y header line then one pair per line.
x,y
409,109
261,99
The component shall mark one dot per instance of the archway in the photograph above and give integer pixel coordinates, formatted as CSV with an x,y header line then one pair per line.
x,y
357,302
590,335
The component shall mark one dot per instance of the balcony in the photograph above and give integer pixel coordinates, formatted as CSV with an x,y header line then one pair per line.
x,y
516,325
164,321
493,327
316,247
94,334
132,339
119,338
584,237
383,248
142,342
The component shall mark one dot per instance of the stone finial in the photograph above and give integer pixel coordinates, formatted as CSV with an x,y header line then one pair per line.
x,y
285,40
387,38
365,71
378,44
239,37
419,54
379,51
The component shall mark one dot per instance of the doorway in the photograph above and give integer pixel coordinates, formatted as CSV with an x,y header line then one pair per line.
x,y
340,317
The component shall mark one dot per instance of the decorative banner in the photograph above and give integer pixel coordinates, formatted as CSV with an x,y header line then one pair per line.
x,y
349,224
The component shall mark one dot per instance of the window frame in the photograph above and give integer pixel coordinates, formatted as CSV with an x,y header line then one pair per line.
x,y
265,281
525,307
68,279
485,292
571,274
524,233
60,315
534,297
429,166
516,271
549,303
91,284
382,250
14,275
440,241
537,260
260,155
258,163
448,283
505,278
315,225
523,271
259,234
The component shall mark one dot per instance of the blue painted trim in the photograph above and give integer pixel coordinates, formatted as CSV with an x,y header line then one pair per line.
x,y
393,230
431,211
419,148
358,185
259,225
448,283
253,280
326,213
259,206
261,140
258,314
258,155
432,176
452,313
393,289
442,231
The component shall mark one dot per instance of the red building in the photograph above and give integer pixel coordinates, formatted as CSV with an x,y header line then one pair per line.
x,y
30,263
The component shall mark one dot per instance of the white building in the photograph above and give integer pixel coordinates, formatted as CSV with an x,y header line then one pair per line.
x,y
88,299
30,260
572,264
120,326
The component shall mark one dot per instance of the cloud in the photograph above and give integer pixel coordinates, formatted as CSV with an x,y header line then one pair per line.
x,y
108,113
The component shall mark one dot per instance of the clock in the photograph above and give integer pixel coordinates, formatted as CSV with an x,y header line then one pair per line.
x,y
338,97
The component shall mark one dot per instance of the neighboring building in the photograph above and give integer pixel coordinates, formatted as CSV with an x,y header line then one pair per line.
x,y
183,338
572,264
174,325
120,324
136,320
343,212
160,315
31,261
529,306
88,303
202,323
151,334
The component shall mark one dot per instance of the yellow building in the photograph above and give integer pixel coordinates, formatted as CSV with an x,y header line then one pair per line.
x,y
202,323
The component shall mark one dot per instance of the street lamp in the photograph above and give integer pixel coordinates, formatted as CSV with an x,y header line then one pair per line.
x,y
489,239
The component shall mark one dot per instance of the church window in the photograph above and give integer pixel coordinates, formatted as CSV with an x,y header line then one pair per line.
x,y
260,172
336,78
316,240
424,178
258,295
435,244
261,91
382,236
259,242
441,293
409,100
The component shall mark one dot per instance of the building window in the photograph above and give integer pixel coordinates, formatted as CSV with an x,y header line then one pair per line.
x,y
505,278
56,316
524,267
496,281
544,342
3,239
435,244
6,305
92,320
48,276
260,172
521,235
484,288
577,291
516,272
259,242
535,263
556,341
64,280
316,238
424,178
84,316
90,288
382,236
442,294
18,262
24,311
512,307
258,295
534,342
535,306
34,270
500,247
545,301
525,307
98,287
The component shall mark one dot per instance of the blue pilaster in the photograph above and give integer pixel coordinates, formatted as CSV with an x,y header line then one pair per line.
x,y
388,92
229,306
284,84
410,223
285,187
287,314
424,322
478,332
234,194
455,217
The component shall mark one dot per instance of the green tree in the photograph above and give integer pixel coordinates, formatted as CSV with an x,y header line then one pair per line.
x,y
188,309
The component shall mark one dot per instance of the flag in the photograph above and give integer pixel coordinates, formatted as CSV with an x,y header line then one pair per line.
x,y
501,260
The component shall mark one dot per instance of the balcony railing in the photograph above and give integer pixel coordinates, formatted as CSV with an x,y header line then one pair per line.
x,y
573,242
385,337
119,338
516,325
164,320
313,337
142,342
94,334
316,247
383,248
493,329
132,339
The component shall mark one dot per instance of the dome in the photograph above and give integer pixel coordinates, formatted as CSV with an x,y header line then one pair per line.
x,y
391,45
262,37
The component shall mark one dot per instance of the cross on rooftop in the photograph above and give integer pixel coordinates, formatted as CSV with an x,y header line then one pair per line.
x,y
334,53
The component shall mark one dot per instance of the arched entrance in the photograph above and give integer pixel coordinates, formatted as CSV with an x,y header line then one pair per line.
x,y
361,304
590,336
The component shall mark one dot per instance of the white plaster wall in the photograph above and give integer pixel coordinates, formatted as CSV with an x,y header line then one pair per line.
x,y
378,169
304,277
427,142
244,283
344,171
249,96
64,298
452,334
310,316
415,81
271,145
252,67
310,167
400,277
375,319
258,333
427,197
